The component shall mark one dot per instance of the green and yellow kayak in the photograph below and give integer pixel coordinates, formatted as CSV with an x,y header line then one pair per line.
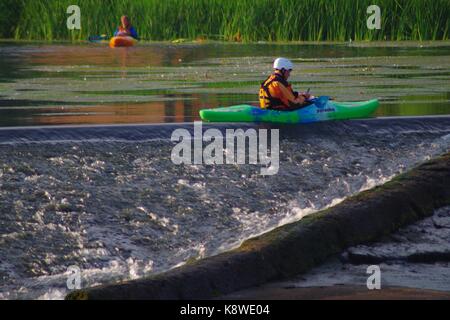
x,y
320,109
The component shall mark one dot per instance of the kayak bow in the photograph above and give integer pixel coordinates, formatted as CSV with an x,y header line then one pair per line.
x,y
122,41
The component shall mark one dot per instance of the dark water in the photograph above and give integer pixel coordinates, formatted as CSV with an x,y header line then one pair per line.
x,y
42,84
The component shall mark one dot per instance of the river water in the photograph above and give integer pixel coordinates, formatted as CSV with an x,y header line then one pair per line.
x,y
43,84
109,200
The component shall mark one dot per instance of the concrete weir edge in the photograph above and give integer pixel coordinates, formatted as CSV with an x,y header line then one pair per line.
x,y
295,248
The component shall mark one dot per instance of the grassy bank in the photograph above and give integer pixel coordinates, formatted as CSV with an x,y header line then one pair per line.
x,y
234,20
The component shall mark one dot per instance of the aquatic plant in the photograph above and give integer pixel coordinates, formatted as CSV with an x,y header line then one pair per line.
x,y
233,20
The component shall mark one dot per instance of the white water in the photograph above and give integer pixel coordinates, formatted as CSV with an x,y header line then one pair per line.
x,y
123,210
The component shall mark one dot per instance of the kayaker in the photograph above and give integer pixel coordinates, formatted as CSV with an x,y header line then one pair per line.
x,y
126,29
276,93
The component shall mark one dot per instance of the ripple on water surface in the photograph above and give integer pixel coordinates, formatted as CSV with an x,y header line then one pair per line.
x,y
121,209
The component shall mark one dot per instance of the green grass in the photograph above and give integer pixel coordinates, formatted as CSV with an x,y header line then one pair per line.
x,y
233,20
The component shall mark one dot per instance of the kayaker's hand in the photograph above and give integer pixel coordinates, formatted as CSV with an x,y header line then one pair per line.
x,y
306,95
300,99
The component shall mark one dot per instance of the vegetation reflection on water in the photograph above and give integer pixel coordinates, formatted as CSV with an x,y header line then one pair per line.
x,y
42,84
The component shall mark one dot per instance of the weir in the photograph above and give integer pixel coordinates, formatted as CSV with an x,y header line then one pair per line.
x,y
145,132
297,247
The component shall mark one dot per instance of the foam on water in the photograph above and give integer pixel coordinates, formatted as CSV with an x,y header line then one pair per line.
x,y
122,210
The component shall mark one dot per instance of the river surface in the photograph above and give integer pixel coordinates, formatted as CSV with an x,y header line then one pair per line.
x,y
108,199
42,84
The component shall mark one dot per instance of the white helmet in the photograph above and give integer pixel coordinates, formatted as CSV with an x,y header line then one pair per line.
x,y
283,63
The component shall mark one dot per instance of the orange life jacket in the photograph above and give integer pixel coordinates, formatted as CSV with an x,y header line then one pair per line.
x,y
274,100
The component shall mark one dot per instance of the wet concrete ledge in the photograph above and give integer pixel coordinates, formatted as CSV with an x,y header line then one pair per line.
x,y
297,247
338,292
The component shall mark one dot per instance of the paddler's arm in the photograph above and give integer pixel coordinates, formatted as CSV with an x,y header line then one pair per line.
x,y
290,95
133,33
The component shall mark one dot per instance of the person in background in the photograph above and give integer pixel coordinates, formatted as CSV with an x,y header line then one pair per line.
x,y
276,93
126,29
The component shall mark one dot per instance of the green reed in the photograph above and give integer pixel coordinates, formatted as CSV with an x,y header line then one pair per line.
x,y
233,20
